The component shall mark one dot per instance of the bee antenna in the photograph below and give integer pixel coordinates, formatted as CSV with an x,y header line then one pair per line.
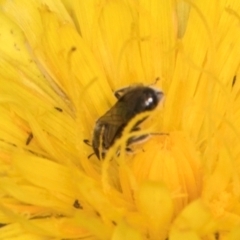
x,y
90,155
156,80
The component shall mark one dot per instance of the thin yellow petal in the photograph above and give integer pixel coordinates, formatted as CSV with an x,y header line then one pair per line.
x,y
158,38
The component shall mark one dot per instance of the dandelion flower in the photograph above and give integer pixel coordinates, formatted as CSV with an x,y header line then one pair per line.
x,y
61,61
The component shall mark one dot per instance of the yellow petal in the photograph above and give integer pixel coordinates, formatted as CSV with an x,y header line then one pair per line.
x,y
193,223
158,34
155,203
171,159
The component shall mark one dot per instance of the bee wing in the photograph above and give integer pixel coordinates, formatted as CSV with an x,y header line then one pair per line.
x,y
113,121
115,116
111,133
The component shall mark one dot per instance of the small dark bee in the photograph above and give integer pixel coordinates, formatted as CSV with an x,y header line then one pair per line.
x,y
131,101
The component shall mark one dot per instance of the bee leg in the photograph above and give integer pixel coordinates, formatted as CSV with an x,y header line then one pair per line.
x,y
159,133
86,141
129,150
120,92
90,155
138,139
142,138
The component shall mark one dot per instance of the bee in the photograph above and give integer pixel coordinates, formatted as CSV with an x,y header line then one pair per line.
x,y
132,100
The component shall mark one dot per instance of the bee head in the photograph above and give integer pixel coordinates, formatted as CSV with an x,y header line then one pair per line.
x,y
150,99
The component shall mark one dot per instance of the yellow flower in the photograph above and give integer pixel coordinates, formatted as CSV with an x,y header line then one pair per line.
x,y
61,61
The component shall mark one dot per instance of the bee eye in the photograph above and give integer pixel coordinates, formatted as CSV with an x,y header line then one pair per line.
x,y
149,102
150,99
